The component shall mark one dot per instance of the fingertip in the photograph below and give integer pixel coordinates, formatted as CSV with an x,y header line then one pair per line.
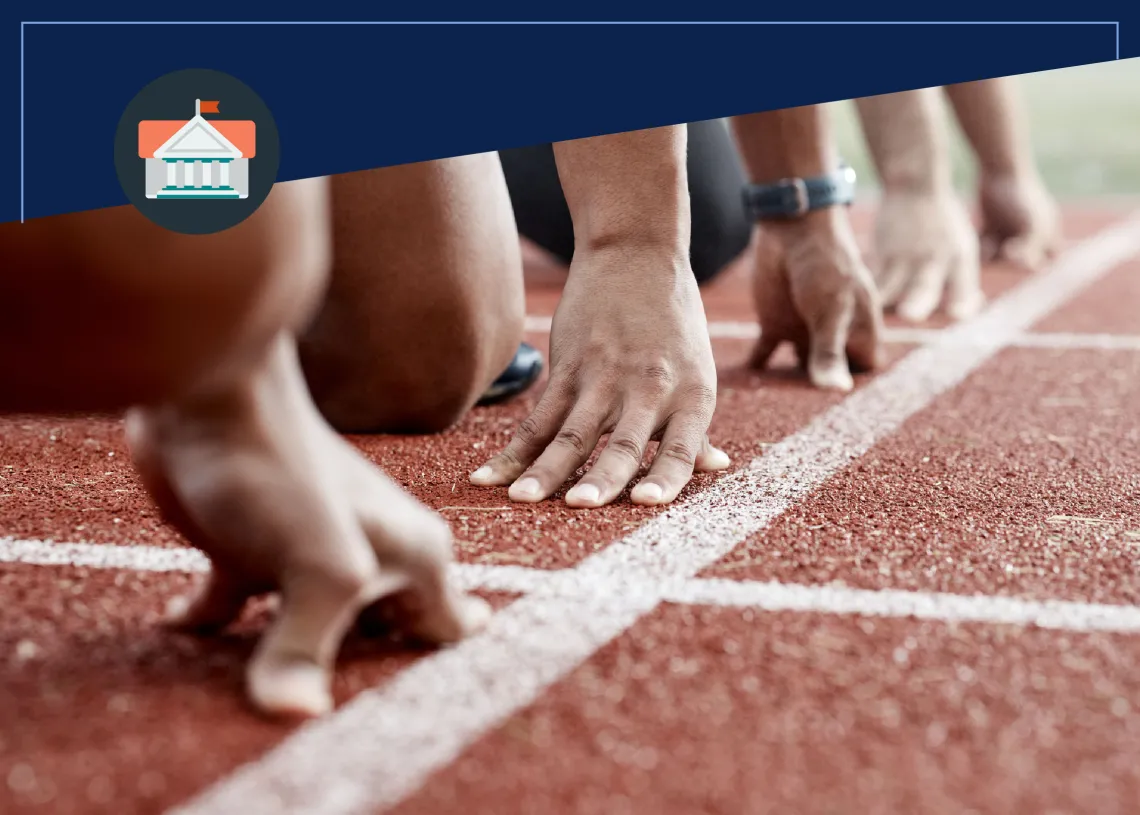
x,y
289,688
832,377
526,490
916,310
483,477
648,493
712,459
584,495
965,307
475,613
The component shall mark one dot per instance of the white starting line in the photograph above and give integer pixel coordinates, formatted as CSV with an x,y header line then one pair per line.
x,y
382,745
570,584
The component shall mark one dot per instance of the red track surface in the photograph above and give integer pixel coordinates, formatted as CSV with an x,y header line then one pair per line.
x,y
1020,482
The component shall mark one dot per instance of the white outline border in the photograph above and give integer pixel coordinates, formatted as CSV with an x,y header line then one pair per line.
x,y
24,23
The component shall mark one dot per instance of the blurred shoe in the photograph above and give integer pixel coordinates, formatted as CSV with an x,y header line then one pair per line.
x,y
523,372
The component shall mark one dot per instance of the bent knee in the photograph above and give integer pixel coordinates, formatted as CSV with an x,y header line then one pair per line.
x,y
421,384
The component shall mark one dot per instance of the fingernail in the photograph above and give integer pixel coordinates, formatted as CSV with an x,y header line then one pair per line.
x,y
482,475
717,459
583,495
526,490
647,493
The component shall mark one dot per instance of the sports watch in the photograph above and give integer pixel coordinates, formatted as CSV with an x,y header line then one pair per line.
x,y
791,198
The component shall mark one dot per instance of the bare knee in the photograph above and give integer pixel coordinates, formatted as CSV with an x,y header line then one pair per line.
x,y
426,384
425,305
107,309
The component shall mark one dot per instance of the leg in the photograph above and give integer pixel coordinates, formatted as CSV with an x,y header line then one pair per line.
x,y
721,229
425,306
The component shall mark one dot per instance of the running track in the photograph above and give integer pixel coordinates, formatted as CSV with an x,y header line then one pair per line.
x,y
921,597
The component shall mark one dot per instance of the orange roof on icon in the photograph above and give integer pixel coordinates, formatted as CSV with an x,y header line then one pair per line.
x,y
153,134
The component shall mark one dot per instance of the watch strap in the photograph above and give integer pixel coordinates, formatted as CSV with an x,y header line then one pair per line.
x,y
795,197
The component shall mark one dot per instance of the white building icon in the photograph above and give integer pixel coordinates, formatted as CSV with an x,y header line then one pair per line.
x,y
197,160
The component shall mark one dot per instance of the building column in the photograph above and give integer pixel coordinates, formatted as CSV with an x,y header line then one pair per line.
x,y
187,174
206,165
224,172
172,173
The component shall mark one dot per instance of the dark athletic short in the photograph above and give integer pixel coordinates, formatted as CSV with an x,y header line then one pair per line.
x,y
716,177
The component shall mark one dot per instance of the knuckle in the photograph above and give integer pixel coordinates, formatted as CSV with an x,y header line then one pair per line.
x,y
528,430
680,452
628,447
573,439
658,377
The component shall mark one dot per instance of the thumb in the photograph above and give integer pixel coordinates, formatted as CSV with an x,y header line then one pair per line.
x,y
827,355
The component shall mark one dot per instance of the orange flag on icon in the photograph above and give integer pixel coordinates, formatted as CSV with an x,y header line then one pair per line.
x,y
209,107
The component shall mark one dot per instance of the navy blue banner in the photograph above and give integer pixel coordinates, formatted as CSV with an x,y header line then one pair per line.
x,y
353,96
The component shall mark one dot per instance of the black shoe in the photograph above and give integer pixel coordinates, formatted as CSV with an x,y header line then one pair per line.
x,y
523,371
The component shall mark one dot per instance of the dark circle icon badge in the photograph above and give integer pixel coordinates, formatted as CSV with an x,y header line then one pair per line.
x,y
196,151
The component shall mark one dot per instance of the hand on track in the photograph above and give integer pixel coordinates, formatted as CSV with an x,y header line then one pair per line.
x,y
813,290
630,356
253,476
1020,221
927,253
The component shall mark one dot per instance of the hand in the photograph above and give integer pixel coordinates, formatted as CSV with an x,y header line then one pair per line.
x,y
813,289
927,254
254,477
630,355
1020,221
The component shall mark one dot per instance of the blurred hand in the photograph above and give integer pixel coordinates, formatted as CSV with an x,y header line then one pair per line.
x,y
253,476
927,253
1020,221
630,355
813,289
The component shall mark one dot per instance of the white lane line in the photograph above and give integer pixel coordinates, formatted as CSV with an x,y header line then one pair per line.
x,y
380,747
139,558
569,584
102,556
947,608
922,336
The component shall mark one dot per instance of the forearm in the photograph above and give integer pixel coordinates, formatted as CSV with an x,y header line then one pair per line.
x,y
789,143
627,188
906,135
994,121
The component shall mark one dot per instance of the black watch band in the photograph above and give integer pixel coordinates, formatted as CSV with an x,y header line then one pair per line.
x,y
795,197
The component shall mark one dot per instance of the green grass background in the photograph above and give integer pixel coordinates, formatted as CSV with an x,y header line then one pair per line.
x,y
1085,126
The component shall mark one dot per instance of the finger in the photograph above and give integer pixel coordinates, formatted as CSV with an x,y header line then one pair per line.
x,y
530,439
711,459
964,296
675,460
415,544
892,280
765,346
218,603
827,356
568,450
924,293
290,673
618,462
990,246
865,335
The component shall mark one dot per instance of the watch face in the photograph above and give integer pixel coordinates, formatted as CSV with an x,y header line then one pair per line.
x,y
848,174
